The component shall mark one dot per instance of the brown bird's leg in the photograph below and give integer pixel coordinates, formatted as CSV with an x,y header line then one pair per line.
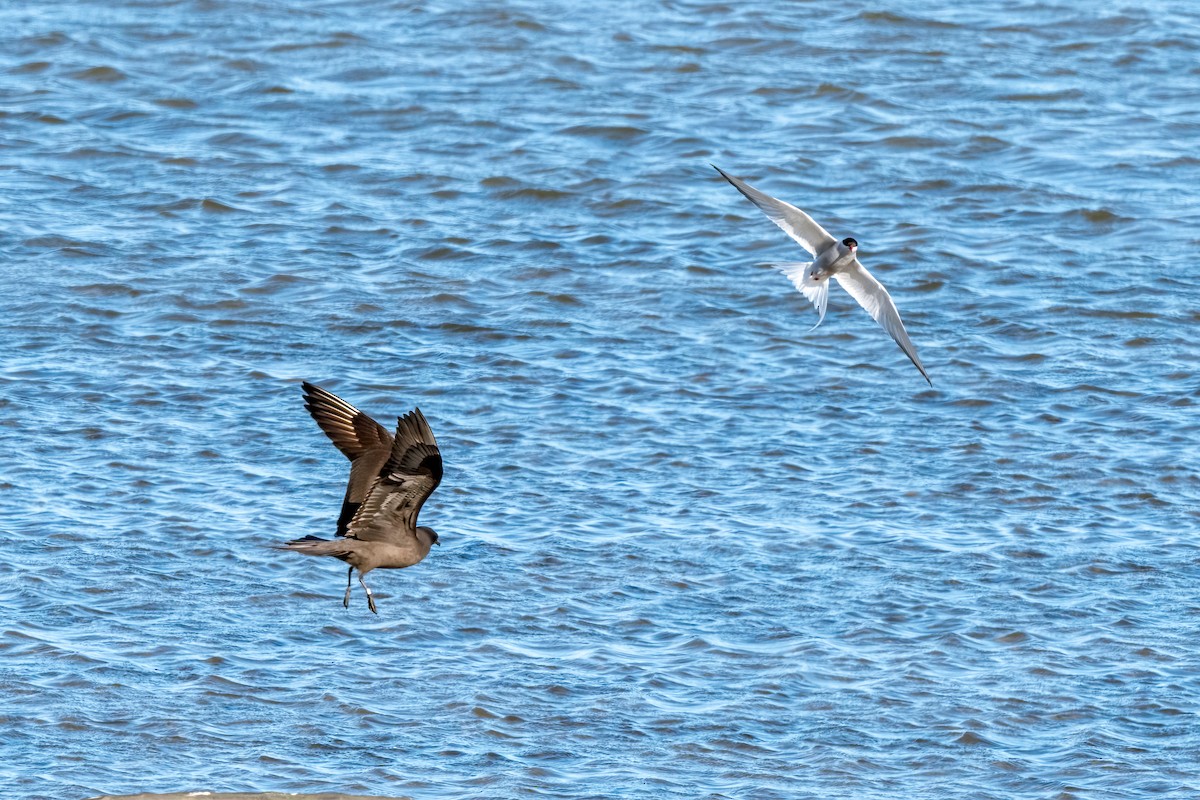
x,y
370,599
346,599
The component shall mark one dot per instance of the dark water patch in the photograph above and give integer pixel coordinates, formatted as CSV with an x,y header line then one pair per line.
x,y
1057,97
911,142
841,92
535,195
439,253
1104,313
107,290
67,246
101,74
676,49
559,83
246,65
331,41
889,18
46,40
614,133
217,207
45,119
1101,216
269,286
31,67
500,182
981,146
179,103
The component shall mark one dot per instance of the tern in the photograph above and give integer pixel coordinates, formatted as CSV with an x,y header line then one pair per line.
x,y
834,259
390,479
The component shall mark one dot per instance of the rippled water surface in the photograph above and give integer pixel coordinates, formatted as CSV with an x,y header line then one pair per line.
x,y
690,549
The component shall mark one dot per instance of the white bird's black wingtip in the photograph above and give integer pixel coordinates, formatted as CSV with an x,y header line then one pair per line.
x,y
921,369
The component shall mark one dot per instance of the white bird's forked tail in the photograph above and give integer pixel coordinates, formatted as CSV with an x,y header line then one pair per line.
x,y
800,273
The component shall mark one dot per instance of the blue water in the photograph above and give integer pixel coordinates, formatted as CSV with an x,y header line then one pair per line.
x,y
689,548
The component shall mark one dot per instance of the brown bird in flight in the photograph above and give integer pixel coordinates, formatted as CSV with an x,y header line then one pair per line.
x,y
391,477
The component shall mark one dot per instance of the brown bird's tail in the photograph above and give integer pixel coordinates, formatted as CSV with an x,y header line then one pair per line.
x,y
316,546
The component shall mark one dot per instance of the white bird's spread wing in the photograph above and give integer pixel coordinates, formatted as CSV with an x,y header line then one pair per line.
x,y
800,274
795,223
870,294
413,470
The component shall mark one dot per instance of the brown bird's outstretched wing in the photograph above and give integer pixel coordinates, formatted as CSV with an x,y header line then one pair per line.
x,y
361,439
412,471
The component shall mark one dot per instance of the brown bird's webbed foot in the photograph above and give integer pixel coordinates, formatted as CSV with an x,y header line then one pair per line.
x,y
346,599
370,599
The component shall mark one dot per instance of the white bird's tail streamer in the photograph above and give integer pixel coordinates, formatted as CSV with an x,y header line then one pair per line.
x,y
800,274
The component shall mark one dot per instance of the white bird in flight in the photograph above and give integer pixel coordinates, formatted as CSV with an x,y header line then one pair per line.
x,y
834,260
